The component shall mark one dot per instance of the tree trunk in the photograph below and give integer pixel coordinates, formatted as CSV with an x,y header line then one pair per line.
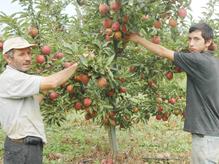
x,y
113,141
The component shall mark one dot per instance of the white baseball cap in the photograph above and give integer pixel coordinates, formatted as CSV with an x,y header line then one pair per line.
x,y
16,43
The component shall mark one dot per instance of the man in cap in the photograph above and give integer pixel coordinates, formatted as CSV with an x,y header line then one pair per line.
x,y
20,116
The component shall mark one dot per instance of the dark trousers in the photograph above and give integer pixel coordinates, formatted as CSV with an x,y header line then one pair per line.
x,y
18,152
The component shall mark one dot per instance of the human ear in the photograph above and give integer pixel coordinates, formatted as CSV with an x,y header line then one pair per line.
x,y
208,42
7,58
212,47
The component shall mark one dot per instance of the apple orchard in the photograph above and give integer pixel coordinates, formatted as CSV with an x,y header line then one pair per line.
x,y
118,83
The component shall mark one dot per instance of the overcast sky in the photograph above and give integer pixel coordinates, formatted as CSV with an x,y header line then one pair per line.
x,y
7,7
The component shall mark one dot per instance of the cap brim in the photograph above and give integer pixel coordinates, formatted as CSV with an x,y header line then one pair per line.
x,y
20,47
26,46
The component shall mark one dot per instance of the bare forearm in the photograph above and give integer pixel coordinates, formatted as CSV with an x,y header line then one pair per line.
x,y
155,48
56,79
62,76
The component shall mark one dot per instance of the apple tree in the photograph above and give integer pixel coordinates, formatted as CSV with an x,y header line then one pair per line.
x,y
117,83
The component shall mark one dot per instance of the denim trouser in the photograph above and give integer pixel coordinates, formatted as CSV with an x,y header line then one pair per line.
x,y
21,153
205,149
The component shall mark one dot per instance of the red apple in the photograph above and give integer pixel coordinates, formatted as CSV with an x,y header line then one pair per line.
x,y
33,31
102,82
158,116
103,8
70,88
107,23
59,55
172,100
169,75
182,12
84,78
53,95
115,6
172,23
122,90
155,39
160,109
111,93
124,28
115,26
46,50
87,102
78,106
165,116
40,59
157,24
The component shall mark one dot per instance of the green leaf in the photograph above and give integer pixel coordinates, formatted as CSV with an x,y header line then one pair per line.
x,y
83,60
109,61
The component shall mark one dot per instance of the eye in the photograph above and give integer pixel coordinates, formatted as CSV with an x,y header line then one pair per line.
x,y
196,38
29,53
21,54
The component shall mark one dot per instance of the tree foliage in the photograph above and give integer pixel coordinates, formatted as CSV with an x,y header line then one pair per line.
x,y
139,84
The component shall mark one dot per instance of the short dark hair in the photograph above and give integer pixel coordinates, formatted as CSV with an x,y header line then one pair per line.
x,y
207,31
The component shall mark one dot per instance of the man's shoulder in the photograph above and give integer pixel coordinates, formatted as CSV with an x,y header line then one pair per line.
x,y
195,55
187,55
11,75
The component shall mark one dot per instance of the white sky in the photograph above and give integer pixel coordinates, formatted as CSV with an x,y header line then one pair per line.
x,y
7,7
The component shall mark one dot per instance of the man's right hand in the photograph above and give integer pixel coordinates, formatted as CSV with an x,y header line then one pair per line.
x,y
75,65
132,37
155,48
57,79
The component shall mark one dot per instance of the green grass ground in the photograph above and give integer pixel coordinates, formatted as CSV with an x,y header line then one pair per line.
x,y
80,141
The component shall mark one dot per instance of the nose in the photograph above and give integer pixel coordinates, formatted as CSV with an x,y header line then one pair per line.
x,y
191,43
27,57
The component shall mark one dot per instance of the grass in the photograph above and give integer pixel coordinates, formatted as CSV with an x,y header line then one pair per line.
x,y
80,141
